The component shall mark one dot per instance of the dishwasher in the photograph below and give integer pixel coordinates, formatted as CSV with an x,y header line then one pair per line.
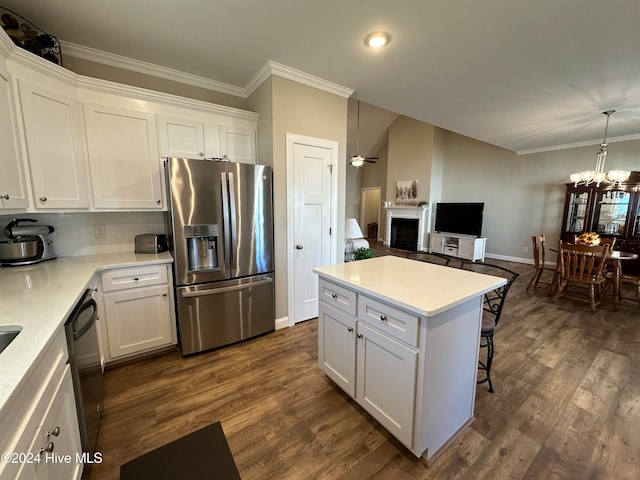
x,y
86,369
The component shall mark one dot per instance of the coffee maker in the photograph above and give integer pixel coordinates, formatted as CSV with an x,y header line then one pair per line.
x,y
29,243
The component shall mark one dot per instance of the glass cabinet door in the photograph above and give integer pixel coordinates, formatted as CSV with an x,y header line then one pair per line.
x,y
577,211
610,212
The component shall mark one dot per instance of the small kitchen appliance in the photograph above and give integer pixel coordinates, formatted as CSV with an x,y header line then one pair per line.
x,y
151,243
26,244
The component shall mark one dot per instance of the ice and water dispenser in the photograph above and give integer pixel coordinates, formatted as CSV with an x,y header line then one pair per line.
x,y
202,246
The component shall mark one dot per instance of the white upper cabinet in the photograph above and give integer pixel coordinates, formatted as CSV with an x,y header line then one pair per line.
x,y
180,137
212,136
13,194
124,159
238,144
55,147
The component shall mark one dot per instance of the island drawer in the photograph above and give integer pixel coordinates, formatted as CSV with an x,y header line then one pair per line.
x,y
391,320
123,278
337,296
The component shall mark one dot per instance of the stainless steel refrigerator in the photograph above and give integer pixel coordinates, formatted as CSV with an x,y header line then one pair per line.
x,y
220,229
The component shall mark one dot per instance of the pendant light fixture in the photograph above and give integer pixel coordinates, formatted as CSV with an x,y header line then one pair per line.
x,y
597,176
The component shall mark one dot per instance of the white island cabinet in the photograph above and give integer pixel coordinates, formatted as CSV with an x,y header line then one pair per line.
x,y
401,338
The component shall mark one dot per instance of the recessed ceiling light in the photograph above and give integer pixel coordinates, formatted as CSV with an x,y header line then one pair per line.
x,y
377,39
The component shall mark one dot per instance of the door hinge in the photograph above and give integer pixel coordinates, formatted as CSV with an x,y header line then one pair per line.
x,y
329,231
330,168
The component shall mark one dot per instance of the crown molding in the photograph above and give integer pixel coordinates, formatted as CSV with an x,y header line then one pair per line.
x,y
269,68
624,138
273,68
108,87
99,56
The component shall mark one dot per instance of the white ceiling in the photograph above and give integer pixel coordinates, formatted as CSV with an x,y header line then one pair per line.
x,y
523,75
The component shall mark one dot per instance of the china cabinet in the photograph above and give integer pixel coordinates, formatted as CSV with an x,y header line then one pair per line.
x,y
610,211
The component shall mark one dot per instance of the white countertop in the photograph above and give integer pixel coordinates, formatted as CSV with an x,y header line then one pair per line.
x,y
40,297
422,288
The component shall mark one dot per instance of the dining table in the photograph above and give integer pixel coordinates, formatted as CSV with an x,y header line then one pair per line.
x,y
613,258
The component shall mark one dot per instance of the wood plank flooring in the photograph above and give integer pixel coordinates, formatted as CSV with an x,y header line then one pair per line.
x,y
566,404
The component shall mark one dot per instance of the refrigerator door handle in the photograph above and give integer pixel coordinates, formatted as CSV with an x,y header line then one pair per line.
x,y
232,213
225,221
215,290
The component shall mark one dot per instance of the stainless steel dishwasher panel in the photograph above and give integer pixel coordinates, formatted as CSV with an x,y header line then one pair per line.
x,y
215,314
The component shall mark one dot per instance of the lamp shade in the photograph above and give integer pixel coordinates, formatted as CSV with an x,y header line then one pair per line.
x,y
352,229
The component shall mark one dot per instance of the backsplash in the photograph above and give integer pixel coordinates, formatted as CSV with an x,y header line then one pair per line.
x,y
86,233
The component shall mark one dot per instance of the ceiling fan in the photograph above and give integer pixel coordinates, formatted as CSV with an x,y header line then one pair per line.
x,y
358,160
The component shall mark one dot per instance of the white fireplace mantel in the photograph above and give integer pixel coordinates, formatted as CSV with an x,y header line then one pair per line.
x,y
419,213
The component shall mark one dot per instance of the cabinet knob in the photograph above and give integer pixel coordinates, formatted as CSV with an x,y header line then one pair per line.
x,y
164,294
55,432
158,202
350,329
334,295
49,448
6,196
359,335
383,318
299,247
136,279
43,199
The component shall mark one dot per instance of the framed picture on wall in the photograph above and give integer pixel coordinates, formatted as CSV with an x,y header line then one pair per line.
x,y
407,192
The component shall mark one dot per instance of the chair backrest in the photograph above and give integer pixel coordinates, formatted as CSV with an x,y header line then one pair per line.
x,y
493,300
538,250
582,263
608,241
434,258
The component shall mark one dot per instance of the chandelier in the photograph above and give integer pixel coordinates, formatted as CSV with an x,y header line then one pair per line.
x,y
597,176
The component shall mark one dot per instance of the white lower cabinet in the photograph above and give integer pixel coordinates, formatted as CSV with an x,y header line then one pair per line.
x,y
386,381
373,368
461,246
414,374
40,428
139,312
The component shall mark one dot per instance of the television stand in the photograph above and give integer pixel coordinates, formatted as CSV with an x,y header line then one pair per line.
x,y
456,245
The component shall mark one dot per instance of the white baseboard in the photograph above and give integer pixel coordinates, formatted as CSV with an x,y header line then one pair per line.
x,y
282,323
509,259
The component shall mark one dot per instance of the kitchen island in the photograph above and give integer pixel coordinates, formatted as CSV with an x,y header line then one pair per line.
x,y
401,337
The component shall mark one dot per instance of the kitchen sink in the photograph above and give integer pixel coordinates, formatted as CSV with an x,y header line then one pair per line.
x,y
7,334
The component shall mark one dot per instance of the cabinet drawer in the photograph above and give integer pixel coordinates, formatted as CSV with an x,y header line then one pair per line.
x,y
337,296
133,277
389,319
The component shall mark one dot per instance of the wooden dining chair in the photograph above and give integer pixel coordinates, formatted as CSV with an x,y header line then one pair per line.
x,y
539,266
582,265
632,280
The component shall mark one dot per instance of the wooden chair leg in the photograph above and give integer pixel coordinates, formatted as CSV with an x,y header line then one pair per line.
x,y
592,297
535,279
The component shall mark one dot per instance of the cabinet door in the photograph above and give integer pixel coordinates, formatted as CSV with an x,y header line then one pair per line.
x,y
436,243
138,320
180,137
63,420
386,381
238,144
55,146
12,188
337,347
124,159
466,248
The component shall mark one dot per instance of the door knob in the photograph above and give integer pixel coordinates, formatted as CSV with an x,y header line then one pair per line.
x,y
6,196
299,247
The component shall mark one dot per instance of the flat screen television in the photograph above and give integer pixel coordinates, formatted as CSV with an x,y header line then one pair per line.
x,y
462,218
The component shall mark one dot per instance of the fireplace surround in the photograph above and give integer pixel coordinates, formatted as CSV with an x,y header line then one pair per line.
x,y
408,213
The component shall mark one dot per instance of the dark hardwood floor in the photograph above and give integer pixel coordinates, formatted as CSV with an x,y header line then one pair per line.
x,y
566,404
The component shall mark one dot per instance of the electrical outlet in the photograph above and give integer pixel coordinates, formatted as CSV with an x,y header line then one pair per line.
x,y
100,232
525,249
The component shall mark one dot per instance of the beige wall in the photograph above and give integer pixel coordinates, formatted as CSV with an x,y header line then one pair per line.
x,y
410,152
126,77
301,110
524,195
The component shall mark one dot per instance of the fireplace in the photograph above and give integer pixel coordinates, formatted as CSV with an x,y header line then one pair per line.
x,y
408,226
404,233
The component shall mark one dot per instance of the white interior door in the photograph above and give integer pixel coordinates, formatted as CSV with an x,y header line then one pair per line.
x,y
313,207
